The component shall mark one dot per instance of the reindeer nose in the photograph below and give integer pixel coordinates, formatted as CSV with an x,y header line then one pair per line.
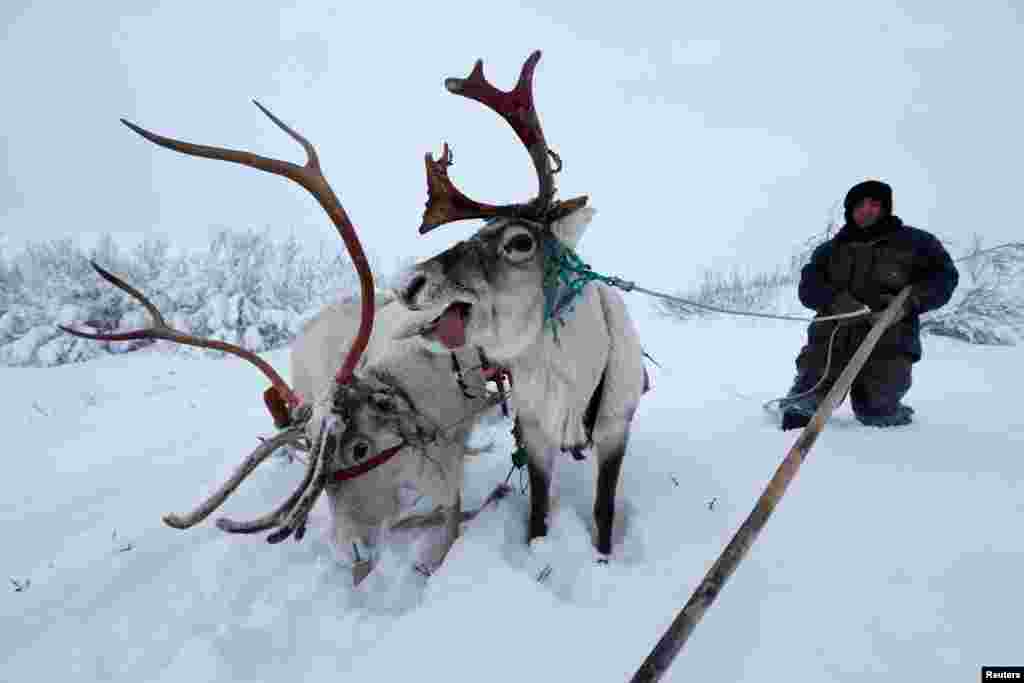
x,y
412,289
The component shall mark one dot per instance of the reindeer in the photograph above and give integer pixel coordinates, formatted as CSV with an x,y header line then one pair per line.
x,y
409,396
576,363
391,417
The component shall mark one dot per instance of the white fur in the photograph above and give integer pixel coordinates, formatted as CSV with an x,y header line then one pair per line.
x,y
555,377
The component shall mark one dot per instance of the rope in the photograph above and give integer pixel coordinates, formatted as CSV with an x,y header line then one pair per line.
x,y
565,276
769,405
616,282
565,267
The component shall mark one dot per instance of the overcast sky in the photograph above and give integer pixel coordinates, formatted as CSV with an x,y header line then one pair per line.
x,y
708,135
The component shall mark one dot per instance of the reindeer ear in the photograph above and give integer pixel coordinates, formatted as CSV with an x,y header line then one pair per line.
x,y
570,228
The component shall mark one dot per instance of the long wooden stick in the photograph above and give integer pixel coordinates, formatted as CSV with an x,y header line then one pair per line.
x,y
660,658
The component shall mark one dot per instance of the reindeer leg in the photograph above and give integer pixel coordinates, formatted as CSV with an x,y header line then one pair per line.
x,y
540,481
451,527
612,436
604,501
360,570
540,464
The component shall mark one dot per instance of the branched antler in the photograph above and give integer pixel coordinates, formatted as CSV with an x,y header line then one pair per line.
x,y
248,466
446,203
311,177
286,406
161,330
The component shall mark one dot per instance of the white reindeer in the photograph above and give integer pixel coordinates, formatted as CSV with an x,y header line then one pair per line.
x,y
387,420
576,381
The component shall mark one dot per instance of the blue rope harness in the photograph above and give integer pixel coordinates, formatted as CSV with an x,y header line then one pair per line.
x,y
565,276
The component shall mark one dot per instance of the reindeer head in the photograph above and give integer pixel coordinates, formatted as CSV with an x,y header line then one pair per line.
x,y
494,289
366,424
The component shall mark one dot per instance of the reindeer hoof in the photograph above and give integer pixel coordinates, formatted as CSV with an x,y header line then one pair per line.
x,y
539,558
360,570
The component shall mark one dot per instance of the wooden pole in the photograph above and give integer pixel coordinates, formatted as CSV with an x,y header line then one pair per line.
x,y
660,658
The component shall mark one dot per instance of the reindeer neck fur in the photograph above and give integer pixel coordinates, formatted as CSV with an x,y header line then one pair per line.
x,y
557,364
557,374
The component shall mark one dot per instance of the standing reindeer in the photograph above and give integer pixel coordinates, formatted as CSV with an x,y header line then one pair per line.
x,y
574,356
391,417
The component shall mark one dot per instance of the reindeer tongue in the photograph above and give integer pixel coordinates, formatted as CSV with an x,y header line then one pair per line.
x,y
451,326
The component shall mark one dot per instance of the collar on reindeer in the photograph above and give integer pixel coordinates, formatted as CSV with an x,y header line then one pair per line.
x,y
565,276
279,411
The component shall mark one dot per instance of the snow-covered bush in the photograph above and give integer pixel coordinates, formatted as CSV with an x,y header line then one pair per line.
x,y
53,284
736,292
245,288
988,306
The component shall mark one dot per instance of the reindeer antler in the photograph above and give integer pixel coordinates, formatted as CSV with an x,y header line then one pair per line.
x,y
446,203
247,467
161,330
312,179
291,516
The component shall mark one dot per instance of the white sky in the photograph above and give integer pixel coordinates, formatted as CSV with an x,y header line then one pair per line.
x,y
712,136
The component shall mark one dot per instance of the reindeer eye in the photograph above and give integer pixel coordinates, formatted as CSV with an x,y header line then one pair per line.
x,y
384,403
360,451
519,247
520,243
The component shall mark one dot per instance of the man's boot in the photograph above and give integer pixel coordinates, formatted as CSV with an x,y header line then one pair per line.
x,y
903,415
797,413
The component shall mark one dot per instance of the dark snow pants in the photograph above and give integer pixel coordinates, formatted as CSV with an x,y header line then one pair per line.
x,y
876,392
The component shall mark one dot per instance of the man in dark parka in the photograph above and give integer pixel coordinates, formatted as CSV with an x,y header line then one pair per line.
x,y
872,257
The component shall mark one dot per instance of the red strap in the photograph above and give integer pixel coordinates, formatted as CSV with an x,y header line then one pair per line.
x,y
363,468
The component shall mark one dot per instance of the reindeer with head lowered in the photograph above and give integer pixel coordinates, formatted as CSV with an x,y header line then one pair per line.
x,y
574,356
392,419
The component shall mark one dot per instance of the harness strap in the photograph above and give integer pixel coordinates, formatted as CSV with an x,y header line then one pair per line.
x,y
372,463
490,373
499,376
457,370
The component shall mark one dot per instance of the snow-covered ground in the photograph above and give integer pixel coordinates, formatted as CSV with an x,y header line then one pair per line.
x,y
895,555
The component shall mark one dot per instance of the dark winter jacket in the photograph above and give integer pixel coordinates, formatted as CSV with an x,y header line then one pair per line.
x,y
868,263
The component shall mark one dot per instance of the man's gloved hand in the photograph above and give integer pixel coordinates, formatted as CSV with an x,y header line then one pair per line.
x,y
886,299
845,303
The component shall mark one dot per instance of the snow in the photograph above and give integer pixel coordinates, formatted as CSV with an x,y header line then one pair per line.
x,y
894,553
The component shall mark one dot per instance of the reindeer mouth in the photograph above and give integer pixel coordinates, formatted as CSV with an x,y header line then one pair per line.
x,y
450,327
